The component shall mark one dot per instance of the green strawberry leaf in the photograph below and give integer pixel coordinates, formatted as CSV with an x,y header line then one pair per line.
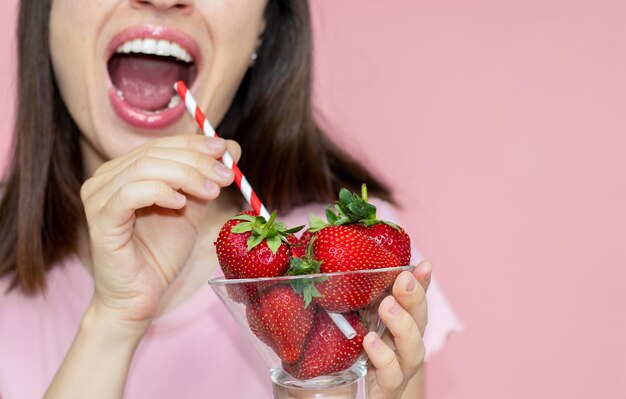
x,y
316,223
242,227
278,225
294,230
353,207
331,216
247,218
369,222
296,267
309,249
307,289
310,292
299,266
253,241
345,196
270,222
341,211
274,231
274,243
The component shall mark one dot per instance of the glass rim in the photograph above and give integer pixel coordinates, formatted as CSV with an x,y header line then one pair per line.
x,y
224,281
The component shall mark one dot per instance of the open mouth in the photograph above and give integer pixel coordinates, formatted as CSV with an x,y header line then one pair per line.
x,y
142,71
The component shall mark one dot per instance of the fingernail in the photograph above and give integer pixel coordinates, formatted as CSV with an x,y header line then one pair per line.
x,y
215,144
222,171
410,283
210,186
374,340
428,269
178,197
395,308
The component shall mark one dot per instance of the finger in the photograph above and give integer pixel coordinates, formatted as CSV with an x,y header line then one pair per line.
x,y
211,146
406,335
120,208
234,149
177,175
411,297
389,375
205,164
422,273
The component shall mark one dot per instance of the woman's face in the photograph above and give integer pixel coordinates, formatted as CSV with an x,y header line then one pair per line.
x,y
115,62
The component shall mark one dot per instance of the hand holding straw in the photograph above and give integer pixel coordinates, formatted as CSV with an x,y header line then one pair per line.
x,y
243,184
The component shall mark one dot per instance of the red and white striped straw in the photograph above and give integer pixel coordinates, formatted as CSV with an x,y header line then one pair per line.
x,y
205,125
243,184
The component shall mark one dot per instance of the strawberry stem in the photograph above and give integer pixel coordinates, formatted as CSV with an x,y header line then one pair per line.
x,y
270,222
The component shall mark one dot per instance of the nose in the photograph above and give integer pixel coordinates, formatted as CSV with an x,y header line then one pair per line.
x,y
182,6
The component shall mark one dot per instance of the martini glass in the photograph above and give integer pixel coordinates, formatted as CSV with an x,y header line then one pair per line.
x,y
330,362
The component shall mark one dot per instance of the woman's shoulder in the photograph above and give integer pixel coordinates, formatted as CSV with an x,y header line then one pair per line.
x,y
38,329
67,289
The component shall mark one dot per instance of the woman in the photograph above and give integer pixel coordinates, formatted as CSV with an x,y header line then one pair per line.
x,y
113,200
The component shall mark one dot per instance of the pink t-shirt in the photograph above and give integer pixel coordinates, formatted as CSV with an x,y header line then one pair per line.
x,y
196,350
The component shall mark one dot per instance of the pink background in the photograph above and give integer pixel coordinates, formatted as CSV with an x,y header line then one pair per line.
x,y
503,126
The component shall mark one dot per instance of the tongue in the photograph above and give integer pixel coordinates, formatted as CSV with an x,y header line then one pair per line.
x,y
147,82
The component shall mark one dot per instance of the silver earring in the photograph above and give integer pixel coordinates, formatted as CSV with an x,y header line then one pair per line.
x,y
254,56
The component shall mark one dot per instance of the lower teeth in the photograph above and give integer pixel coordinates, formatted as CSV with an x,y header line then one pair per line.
x,y
173,102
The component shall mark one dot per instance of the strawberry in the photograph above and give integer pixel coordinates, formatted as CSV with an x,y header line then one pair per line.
x,y
328,350
358,213
247,246
278,317
299,247
343,249
392,238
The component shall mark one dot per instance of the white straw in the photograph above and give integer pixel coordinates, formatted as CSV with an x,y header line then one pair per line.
x,y
342,324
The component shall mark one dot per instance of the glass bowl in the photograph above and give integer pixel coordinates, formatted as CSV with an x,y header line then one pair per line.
x,y
315,348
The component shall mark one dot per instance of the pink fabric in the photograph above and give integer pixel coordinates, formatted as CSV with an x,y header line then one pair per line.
x,y
195,350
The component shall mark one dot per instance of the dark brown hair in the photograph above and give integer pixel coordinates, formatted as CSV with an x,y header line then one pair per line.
x,y
271,117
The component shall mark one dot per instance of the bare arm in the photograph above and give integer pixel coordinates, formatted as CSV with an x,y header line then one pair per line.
x,y
172,180
97,361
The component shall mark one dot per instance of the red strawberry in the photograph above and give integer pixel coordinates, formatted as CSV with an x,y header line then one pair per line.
x,y
246,292
278,318
305,238
357,212
299,249
327,349
392,238
249,247
296,248
342,249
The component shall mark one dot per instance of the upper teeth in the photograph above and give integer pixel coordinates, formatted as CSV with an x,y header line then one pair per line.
x,y
152,46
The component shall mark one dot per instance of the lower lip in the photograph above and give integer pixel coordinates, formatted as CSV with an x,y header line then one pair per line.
x,y
142,119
